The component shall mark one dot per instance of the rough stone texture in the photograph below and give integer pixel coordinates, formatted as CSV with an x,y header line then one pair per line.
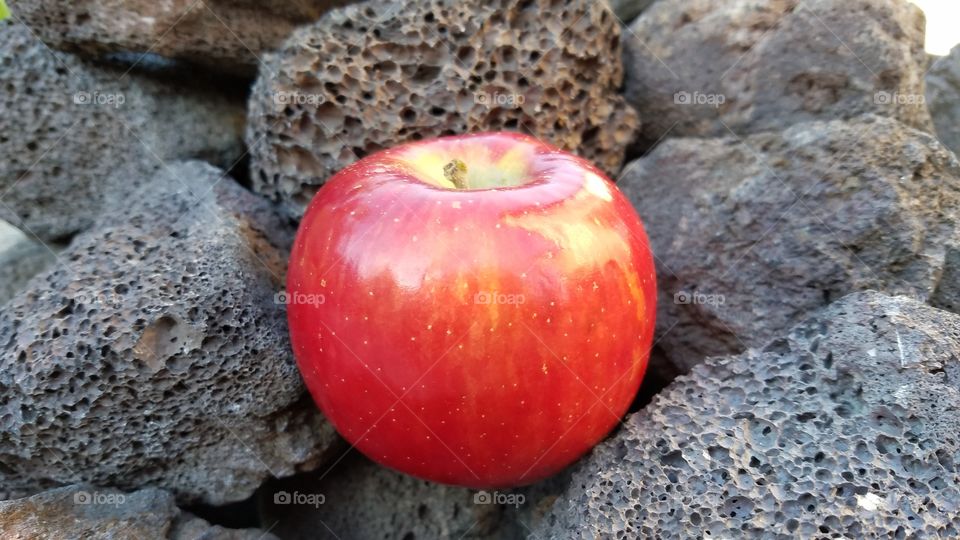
x,y
943,98
846,428
81,512
20,259
627,10
522,519
776,63
364,500
225,34
155,354
752,235
367,77
63,133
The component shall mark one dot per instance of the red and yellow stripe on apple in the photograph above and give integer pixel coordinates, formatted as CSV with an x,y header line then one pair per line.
x,y
475,310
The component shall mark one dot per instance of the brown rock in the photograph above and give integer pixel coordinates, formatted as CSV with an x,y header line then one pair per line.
x,y
82,512
68,125
367,77
358,499
943,98
156,352
752,235
845,427
225,34
712,67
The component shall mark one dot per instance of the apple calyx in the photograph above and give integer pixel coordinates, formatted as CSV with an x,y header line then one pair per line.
x,y
456,173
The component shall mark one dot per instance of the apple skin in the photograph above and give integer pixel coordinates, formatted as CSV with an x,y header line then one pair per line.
x,y
482,337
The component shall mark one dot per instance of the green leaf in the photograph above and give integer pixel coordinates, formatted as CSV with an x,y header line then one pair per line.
x,y
4,10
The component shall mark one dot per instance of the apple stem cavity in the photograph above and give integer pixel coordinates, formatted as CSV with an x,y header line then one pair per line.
x,y
456,173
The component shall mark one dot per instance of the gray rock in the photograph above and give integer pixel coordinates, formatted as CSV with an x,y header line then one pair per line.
x,y
372,75
20,259
68,125
751,235
81,512
943,98
358,499
712,67
627,10
156,353
224,34
845,428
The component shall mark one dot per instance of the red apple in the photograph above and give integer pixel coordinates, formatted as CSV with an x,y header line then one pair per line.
x,y
474,310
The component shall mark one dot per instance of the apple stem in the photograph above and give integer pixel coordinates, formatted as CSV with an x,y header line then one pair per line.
x,y
456,173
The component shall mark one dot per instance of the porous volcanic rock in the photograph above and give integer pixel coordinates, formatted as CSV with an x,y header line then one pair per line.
x,y
224,34
943,98
81,512
366,77
20,259
358,499
68,125
845,428
751,235
627,10
712,67
156,353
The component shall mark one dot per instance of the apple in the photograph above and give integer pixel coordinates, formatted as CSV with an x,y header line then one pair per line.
x,y
474,310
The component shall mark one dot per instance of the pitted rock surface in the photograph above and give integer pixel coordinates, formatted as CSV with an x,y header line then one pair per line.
x,y
224,34
156,354
81,512
367,77
774,63
752,235
361,500
943,98
64,132
845,428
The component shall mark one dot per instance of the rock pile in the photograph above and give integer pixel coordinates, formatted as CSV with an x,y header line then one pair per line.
x,y
84,511
154,353
69,124
794,165
714,68
753,234
845,426
223,34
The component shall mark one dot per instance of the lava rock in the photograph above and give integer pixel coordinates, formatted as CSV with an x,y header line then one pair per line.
x,y
847,427
224,34
358,499
752,235
627,10
156,353
20,259
712,68
943,98
67,125
367,77
79,512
